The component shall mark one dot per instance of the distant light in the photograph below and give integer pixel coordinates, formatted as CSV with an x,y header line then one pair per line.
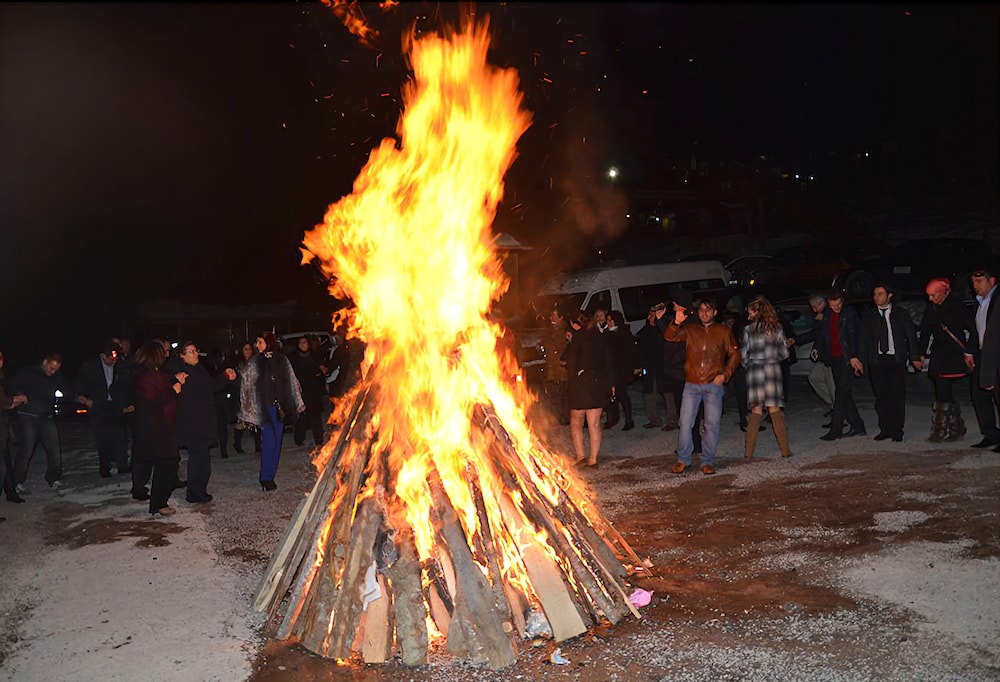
x,y
612,172
173,345
628,215
866,155
796,176
690,60
812,178
59,394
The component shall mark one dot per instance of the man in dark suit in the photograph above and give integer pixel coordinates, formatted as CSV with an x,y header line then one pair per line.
x,y
837,344
105,383
983,359
888,339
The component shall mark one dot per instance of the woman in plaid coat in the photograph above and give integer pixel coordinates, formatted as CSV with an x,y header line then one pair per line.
x,y
763,348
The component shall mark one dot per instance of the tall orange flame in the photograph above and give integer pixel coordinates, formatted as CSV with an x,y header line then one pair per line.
x,y
412,247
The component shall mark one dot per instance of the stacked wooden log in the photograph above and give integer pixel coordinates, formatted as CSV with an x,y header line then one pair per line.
x,y
347,582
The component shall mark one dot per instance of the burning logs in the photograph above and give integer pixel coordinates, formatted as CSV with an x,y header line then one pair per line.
x,y
348,578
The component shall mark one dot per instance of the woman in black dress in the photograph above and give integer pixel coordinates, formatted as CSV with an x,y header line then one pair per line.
x,y
588,367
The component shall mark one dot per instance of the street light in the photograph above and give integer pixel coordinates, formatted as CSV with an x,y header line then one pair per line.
x,y
613,173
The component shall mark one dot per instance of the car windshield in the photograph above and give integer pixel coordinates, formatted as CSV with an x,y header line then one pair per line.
x,y
569,304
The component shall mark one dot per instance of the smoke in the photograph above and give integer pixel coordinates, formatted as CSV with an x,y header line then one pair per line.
x,y
593,207
588,208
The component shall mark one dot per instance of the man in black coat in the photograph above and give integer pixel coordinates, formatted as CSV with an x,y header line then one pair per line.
x,y
104,381
837,345
983,359
34,423
196,422
650,342
624,359
888,338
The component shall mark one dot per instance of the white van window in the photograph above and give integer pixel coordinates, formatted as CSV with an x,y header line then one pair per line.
x,y
637,301
601,299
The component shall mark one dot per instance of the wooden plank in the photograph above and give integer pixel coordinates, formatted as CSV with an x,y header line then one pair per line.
x,y
309,602
561,610
585,566
439,600
313,632
347,608
375,646
476,632
490,553
408,606
293,545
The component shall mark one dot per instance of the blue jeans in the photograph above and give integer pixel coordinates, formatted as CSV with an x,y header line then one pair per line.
x,y
694,395
271,432
32,430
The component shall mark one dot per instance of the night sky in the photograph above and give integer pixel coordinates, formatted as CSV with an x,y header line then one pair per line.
x,y
180,150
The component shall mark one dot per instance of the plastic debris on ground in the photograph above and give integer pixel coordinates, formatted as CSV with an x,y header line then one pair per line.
x,y
556,658
640,597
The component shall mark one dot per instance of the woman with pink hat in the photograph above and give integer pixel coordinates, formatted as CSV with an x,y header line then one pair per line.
x,y
947,322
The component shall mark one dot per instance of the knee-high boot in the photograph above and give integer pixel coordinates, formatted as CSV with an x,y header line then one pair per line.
x,y
939,421
780,432
753,428
955,429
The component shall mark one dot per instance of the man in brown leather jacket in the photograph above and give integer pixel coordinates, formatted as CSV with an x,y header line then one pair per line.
x,y
712,357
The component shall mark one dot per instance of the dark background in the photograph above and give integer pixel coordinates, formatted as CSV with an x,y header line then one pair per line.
x,y
152,151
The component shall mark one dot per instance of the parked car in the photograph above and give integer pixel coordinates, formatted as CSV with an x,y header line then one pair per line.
x,y
908,267
65,408
754,271
812,266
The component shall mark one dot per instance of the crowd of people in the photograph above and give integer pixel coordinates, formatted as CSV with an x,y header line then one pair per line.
x,y
687,357
146,408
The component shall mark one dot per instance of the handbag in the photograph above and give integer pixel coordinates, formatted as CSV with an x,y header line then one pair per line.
x,y
284,416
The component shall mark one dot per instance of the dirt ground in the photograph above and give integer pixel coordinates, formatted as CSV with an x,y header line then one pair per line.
x,y
852,560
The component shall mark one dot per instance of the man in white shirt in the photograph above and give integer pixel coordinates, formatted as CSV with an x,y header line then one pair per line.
x,y
984,385
888,340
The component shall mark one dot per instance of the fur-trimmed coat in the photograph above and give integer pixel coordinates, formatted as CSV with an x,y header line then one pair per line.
x,y
266,377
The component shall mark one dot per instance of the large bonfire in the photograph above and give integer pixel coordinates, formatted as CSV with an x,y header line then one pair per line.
x,y
437,512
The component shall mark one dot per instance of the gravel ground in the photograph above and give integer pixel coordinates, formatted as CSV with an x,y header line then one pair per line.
x,y
852,560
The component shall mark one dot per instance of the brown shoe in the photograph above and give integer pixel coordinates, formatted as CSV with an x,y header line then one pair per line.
x,y
708,470
679,468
